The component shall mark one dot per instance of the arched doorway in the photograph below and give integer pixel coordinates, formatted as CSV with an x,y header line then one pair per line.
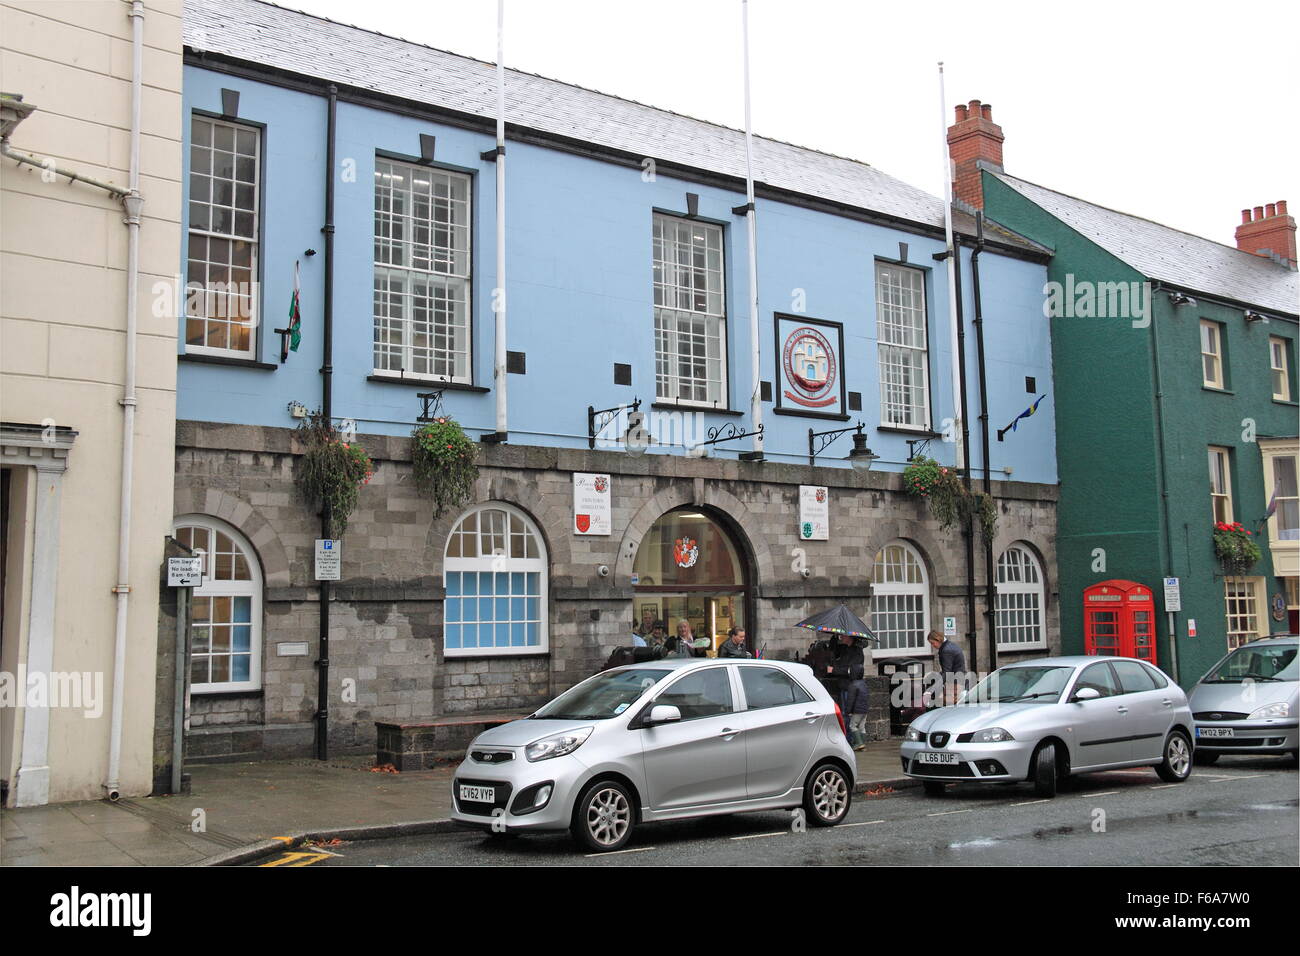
x,y
690,567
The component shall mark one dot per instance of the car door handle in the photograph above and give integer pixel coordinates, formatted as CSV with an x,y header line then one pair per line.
x,y
728,732
1122,710
810,716
1167,702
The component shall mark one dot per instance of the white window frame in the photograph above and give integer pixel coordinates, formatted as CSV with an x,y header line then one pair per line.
x,y
1028,597
899,323
1280,542
213,588
210,297
399,278
893,590
1211,354
496,563
1220,461
678,302
1279,360
1246,611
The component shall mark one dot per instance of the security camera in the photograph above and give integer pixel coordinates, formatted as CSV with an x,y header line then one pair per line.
x,y
806,572
603,570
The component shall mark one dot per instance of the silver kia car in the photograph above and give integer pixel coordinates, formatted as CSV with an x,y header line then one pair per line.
x,y
1247,703
662,740
1043,720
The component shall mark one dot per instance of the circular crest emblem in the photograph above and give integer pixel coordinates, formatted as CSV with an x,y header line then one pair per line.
x,y
810,368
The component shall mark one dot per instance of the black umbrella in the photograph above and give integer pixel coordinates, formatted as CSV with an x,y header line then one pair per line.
x,y
838,620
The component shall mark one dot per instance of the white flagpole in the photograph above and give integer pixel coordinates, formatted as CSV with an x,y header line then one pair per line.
x,y
755,398
499,364
952,272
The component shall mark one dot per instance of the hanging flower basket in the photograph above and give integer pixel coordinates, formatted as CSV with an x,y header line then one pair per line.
x,y
331,471
443,457
1235,547
950,501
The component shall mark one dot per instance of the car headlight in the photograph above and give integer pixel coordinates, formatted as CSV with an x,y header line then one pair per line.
x,y
557,745
914,734
993,735
1272,710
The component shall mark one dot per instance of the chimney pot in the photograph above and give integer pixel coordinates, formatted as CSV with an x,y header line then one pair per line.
x,y
975,107
1245,216
1259,213
986,111
1281,207
1270,210
962,113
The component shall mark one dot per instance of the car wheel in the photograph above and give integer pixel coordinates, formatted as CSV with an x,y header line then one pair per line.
x,y
1043,771
1203,759
1177,765
827,795
603,817
933,788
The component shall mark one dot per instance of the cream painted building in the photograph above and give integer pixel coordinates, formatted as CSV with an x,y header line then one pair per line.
x,y
68,729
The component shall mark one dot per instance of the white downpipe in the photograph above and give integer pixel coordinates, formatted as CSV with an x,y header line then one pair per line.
x,y
755,397
499,363
133,204
952,273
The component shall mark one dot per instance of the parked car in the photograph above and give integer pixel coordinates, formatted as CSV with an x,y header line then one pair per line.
x,y
1044,720
1248,702
661,740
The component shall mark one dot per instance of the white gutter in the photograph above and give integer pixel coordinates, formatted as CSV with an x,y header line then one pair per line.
x,y
755,397
133,203
499,299
952,274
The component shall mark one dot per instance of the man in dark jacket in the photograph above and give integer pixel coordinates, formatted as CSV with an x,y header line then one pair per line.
x,y
952,664
734,645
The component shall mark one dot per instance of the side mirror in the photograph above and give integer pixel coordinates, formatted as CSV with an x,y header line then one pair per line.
x,y
1087,693
663,714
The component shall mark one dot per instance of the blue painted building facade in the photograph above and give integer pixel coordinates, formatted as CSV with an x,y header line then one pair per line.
x,y
592,181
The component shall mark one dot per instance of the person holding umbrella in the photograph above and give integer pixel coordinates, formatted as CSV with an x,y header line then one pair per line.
x,y
848,673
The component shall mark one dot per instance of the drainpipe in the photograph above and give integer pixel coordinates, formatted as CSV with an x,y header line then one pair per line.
x,y
327,410
989,582
755,357
499,300
1163,469
133,203
968,532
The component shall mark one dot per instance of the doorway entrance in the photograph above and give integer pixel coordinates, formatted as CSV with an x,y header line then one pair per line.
x,y
690,568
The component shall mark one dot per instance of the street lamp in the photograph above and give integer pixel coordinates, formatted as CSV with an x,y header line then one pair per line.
x,y
860,456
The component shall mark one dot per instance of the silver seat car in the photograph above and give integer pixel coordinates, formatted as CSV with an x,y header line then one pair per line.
x,y
1043,720
1247,703
662,740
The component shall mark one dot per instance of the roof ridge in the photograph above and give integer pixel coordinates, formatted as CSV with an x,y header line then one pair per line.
x,y
579,86
1130,215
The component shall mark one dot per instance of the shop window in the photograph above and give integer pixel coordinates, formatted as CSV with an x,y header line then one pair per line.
x,y
495,573
1246,616
900,601
225,611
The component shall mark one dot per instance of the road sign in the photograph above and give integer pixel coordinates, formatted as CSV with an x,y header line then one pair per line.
x,y
1173,595
184,572
329,559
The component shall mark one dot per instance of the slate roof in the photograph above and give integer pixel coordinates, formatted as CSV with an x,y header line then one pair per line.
x,y
1178,258
265,34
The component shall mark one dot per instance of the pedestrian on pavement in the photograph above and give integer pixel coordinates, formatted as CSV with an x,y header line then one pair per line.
x,y
734,645
952,664
848,672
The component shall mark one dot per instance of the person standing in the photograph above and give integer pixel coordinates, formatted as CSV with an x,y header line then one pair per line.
x,y
734,645
952,664
848,671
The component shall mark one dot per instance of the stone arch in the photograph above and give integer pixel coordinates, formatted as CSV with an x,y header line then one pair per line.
x,y
247,520
552,522
924,536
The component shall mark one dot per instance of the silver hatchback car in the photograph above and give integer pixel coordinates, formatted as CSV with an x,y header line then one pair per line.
x,y
661,740
1043,720
1249,702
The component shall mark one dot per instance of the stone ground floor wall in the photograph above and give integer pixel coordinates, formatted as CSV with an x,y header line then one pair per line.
x,y
386,658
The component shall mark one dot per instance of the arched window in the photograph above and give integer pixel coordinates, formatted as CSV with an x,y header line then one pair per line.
x,y
495,574
226,610
1020,604
900,601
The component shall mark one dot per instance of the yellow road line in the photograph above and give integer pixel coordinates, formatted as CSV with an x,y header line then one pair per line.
x,y
298,859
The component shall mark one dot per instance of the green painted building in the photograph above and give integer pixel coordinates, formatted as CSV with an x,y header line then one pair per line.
x,y
1174,372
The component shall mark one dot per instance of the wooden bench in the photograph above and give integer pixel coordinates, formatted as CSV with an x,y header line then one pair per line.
x,y
422,743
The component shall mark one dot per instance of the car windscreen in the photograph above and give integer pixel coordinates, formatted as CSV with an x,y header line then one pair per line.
x,y
603,696
1043,684
1267,662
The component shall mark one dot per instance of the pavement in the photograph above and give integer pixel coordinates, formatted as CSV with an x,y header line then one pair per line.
x,y
237,812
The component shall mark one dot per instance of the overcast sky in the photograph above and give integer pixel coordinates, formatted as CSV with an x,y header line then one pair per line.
x,y
1180,112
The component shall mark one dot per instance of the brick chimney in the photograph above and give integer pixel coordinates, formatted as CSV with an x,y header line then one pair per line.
x,y
1268,231
971,138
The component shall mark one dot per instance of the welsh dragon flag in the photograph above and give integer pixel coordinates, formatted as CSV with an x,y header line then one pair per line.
x,y
295,316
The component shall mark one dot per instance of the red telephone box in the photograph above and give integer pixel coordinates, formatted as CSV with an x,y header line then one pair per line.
x,y
1119,620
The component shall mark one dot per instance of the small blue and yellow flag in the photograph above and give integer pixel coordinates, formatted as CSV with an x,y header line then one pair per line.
x,y
1016,421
